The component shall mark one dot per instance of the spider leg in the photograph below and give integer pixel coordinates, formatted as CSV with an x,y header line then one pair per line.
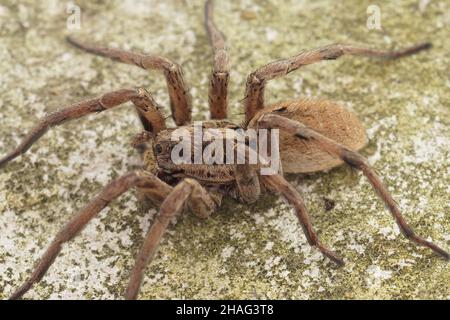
x,y
278,183
256,81
247,183
218,90
356,161
170,208
146,106
180,99
79,221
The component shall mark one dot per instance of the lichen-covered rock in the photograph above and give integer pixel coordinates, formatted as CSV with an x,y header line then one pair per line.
x,y
242,251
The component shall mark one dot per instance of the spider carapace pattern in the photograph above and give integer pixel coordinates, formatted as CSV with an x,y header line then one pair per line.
x,y
315,135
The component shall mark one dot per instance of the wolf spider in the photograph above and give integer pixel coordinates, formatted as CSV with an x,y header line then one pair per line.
x,y
316,135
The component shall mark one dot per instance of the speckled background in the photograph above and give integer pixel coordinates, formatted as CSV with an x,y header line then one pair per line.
x,y
242,252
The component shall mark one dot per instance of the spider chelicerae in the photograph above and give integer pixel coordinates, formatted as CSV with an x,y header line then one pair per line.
x,y
315,135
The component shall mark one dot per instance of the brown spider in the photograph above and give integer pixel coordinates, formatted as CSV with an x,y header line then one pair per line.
x,y
316,135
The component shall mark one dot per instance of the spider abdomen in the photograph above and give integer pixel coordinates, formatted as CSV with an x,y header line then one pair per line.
x,y
327,118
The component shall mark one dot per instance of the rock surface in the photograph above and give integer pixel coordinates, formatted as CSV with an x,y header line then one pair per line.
x,y
242,252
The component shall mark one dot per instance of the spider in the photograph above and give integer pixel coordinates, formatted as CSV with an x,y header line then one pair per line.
x,y
316,135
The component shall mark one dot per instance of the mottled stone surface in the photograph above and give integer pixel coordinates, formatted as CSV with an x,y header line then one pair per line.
x,y
242,251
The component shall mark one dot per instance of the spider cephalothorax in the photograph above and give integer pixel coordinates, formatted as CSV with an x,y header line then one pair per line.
x,y
315,135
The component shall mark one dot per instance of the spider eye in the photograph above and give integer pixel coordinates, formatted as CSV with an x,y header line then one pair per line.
x,y
158,148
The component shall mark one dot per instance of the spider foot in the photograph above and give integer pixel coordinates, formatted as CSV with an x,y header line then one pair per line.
x,y
330,255
436,249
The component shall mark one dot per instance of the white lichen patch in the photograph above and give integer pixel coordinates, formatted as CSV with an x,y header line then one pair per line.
x,y
227,252
241,252
376,276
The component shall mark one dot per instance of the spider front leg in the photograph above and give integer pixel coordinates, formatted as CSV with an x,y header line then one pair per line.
x,y
218,90
115,189
279,184
172,206
180,99
256,81
354,160
147,108
248,187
